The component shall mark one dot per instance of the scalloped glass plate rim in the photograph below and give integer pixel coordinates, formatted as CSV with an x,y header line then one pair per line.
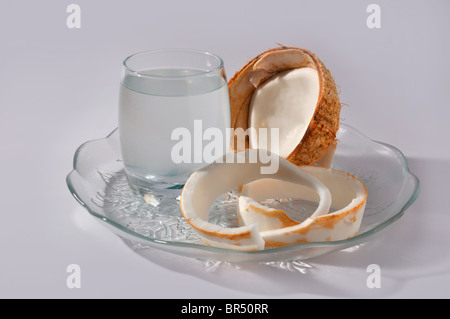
x,y
357,239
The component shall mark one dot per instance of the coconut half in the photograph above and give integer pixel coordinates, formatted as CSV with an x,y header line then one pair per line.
x,y
290,89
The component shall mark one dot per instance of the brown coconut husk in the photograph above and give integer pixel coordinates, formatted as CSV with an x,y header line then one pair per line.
x,y
321,132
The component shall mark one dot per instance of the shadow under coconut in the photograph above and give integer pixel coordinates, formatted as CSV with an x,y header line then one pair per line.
x,y
409,249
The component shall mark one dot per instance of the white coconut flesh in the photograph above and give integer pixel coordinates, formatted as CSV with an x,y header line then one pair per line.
x,y
252,212
206,184
287,101
348,194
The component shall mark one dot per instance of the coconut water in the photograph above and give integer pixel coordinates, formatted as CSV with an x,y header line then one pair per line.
x,y
154,103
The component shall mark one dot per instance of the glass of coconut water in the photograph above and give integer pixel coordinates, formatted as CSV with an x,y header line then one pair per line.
x,y
171,101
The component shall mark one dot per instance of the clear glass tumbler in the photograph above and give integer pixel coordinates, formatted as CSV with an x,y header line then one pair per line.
x,y
173,104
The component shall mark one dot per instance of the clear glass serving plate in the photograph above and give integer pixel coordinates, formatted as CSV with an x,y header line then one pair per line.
x,y
99,184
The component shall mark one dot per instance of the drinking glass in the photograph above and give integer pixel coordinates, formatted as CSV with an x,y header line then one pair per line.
x,y
170,102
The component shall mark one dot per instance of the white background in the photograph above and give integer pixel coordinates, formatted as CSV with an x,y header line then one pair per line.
x,y
59,88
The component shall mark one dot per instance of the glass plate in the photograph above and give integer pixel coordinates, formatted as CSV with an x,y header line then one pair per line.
x,y
99,184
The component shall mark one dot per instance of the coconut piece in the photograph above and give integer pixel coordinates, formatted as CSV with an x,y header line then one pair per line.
x,y
349,196
266,218
295,93
206,184
317,118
